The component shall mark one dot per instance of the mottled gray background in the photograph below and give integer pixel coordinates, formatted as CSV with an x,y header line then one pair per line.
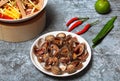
x,y
15,63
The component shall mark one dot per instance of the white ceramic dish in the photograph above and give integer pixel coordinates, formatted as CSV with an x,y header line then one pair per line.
x,y
38,65
26,18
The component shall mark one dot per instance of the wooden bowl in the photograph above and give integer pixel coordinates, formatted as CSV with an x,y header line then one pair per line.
x,y
23,31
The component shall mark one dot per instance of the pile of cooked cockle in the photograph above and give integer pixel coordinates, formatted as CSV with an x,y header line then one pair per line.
x,y
61,53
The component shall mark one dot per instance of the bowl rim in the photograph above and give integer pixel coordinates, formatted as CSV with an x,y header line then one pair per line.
x,y
65,75
25,18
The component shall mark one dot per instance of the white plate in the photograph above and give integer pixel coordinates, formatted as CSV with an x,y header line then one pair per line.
x,y
25,18
38,65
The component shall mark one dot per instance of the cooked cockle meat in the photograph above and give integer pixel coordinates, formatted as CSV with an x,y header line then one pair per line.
x,y
38,52
64,60
35,50
40,59
73,40
44,47
72,43
61,35
45,44
75,63
79,66
71,68
56,70
68,37
54,49
45,56
49,38
81,49
47,67
84,56
76,49
49,61
39,43
52,61
58,41
64,51
55,61
63,68
74,56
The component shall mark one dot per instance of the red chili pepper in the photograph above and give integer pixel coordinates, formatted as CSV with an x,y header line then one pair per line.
x,y
76,24
86,28
5,16
71,21
1,15
74,19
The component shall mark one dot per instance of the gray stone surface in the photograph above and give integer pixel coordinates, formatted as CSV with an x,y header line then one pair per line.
x,y
15,63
